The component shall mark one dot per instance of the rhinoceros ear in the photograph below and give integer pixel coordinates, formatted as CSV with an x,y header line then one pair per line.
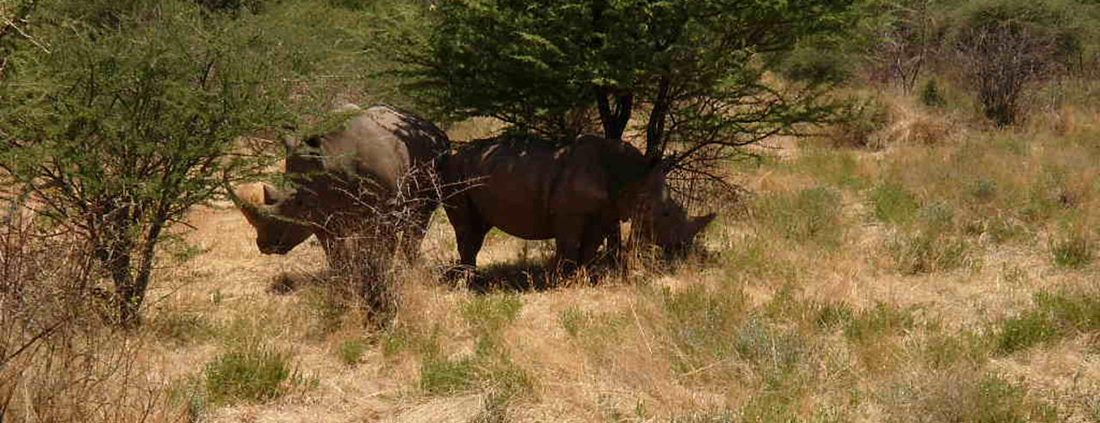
x,y
271,195
699,223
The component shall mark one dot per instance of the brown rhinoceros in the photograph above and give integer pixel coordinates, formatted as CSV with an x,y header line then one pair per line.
x,y
576,194
357,188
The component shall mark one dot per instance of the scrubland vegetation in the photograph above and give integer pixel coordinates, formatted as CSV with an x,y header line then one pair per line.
x,y
921,243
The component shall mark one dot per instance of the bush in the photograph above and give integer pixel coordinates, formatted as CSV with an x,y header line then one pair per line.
x,y
122,127
861,120
1005,46
930,94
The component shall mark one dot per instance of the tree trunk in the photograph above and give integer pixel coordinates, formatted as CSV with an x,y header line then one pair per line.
x,y
614,118
655,129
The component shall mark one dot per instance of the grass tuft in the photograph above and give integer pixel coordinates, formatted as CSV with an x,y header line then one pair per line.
x,y
351,351
810,215
892,203
250,373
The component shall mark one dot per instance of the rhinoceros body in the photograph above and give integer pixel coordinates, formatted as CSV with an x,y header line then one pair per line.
x,y
576,194
359,189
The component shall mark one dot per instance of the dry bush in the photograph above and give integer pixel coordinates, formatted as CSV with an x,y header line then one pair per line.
x,y
58,362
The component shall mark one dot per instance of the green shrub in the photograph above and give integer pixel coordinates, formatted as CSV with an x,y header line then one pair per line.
x,y
809,215
930,94
965,395
893,203
251,373
862,119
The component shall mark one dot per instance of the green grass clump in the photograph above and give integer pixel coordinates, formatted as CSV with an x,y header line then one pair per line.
x,y
489,314
928,251
1055,316
351,351
893,203
249,372
882,320
182,328
442,376
701,323
1073,251
490,368
969,396
836,167
809,215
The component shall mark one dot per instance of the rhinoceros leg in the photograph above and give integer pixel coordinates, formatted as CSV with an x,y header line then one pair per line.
x,y
569,239
470,229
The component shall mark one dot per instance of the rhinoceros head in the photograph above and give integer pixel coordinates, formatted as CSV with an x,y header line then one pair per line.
x,y
661,220
267,212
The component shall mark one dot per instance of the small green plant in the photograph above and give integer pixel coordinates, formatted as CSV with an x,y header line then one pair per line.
x,y
809,215
250,372
573,320
893,203
351,351
491,313
930,94
442,376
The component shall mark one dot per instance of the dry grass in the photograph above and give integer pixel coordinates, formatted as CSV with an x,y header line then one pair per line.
x,y
927,281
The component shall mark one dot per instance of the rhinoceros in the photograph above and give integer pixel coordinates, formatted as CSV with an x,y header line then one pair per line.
x,y
358,188
575,194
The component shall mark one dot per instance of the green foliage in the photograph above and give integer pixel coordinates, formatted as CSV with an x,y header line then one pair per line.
x,y
1055,315
249,372
893,203
560,68
860,120
124,123
809,215
1004,46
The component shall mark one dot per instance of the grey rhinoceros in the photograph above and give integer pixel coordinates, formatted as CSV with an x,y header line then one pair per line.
x,y
360,189
575,194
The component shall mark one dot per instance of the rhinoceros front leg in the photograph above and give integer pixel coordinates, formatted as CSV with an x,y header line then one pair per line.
x,y
569,237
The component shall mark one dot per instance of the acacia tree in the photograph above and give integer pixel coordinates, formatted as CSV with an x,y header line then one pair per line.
x,y
691,75
1007,46
119,127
